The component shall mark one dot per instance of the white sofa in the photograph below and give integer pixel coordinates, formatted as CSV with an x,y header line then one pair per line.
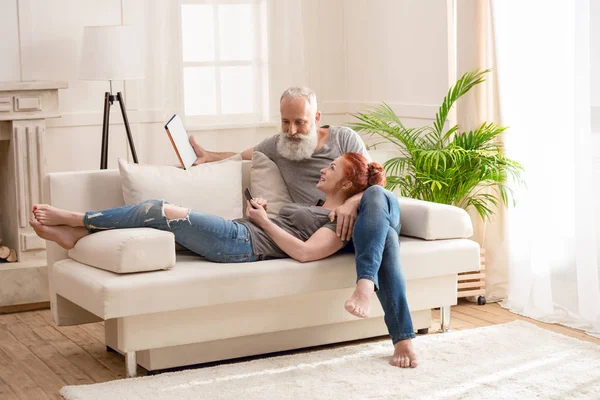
x,y
199,311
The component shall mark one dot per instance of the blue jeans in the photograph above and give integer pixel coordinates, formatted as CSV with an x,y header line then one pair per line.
x,y
377,249
212,237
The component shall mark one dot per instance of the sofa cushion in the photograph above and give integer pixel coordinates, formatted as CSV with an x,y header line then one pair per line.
x,y
197,283
267,183
213,188
127,250
433,221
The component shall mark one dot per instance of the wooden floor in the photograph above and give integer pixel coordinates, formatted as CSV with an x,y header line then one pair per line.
x,y
38,358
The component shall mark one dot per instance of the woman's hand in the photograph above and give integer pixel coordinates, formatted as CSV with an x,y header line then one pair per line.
x,y
261,202
257,215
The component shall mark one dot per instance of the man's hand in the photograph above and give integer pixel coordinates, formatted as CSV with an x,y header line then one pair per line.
x,y
346,216
201,154
257,215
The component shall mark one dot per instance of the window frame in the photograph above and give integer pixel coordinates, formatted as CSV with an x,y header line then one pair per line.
x,y
259,64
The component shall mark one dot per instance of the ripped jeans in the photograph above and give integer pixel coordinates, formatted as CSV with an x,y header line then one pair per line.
x,y
377,249
209,236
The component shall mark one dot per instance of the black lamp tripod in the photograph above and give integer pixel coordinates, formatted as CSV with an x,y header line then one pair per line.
x,y
109,98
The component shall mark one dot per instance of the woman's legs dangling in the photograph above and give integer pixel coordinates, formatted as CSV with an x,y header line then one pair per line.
x,y
378,268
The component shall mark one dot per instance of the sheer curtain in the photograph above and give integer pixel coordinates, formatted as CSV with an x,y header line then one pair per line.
x,y
288,59
160,22
543,69
475,50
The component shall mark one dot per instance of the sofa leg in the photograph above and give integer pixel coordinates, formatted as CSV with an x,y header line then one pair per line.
x,y
444,319
131,364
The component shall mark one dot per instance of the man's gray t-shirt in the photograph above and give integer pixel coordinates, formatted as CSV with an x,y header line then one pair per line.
x,y
301,177
299,220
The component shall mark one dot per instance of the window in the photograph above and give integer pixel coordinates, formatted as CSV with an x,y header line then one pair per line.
x,y
223,49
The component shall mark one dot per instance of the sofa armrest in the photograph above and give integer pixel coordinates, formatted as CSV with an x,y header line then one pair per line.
x,y
127,250
433,221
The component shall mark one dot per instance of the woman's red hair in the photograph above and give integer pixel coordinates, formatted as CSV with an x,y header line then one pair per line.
x,y
361,173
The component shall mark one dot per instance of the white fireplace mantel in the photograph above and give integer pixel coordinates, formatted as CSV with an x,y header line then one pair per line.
x,y
24,108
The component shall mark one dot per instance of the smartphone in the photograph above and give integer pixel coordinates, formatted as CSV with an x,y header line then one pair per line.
x,y
248,195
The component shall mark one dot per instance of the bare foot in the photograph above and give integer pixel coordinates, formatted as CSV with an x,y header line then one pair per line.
x,y
359,304
404,355
65,236
200,152
48,215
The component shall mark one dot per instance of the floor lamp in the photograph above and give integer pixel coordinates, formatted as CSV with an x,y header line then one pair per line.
x,y
112,53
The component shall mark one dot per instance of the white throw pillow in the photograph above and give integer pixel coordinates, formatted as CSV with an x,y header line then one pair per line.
x,y
266,182
126,250
212,188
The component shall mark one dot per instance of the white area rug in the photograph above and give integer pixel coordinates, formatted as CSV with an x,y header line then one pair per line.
x,y
517,360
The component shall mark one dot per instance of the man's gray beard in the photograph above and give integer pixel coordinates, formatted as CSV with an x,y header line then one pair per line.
x,y
297,150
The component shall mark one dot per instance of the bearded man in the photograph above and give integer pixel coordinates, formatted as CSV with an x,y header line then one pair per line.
x,y
300,151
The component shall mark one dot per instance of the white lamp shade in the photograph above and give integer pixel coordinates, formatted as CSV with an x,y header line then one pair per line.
x,y
111,53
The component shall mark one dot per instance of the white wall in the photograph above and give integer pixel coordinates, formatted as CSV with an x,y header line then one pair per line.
x,y
397,52
355,52
9,45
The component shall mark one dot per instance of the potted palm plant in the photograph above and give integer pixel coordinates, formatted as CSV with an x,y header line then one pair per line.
x,y
439,163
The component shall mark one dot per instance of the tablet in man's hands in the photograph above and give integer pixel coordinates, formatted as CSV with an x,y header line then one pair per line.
x,y
181,142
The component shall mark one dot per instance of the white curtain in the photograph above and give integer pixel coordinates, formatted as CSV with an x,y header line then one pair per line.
x,y
161,27
543,70
475,50
288,59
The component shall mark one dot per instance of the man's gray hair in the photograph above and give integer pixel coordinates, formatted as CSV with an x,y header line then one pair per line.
x,y
294,92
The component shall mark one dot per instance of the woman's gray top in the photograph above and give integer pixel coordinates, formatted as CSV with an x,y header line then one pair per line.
x,y
299,220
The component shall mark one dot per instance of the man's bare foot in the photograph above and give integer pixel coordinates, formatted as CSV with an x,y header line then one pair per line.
x,y
404,355
65,236
359,304
47,215
200,152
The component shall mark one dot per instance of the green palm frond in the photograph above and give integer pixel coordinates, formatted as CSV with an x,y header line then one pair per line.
x,y
396,166
482,138
465,169
385,112
482,204
449,134
377,117
462,86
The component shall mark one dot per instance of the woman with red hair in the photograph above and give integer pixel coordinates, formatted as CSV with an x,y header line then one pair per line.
x,y
301,231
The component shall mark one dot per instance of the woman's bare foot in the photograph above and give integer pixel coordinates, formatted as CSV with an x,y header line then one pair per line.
x,y
48,215
65,236
404,355
359,304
